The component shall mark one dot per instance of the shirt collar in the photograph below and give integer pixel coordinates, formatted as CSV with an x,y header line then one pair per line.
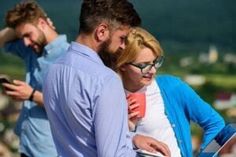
x,y
86,51
54,43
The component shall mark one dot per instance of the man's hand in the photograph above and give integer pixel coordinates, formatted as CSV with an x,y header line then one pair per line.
x,y
18,90
151,145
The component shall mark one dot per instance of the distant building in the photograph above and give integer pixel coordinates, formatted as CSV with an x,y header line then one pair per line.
x,y
195,80
210,57
186,61
225,101
229,58
203,58
213,54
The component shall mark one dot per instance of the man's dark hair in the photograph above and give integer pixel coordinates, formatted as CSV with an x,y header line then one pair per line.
x,y
94,12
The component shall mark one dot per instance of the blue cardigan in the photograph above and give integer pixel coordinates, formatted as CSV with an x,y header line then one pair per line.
x,y
182,104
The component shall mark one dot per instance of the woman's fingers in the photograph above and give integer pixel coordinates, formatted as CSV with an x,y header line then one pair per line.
x,y
133,115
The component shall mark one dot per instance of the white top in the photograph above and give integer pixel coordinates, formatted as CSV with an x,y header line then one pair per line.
x,y
155,123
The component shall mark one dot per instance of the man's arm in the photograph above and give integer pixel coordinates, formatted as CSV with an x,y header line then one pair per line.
x,y
111,121
12,44
21,91
7,34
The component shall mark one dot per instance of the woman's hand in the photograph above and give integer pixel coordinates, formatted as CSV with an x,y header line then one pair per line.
x,y
151,145
133,113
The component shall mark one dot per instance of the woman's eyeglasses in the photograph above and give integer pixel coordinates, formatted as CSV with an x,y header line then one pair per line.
x,y
146,67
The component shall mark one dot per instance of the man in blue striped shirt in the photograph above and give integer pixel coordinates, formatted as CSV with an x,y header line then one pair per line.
x,y
84,99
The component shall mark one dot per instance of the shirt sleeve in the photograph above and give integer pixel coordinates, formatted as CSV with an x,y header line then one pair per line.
x,y
201,113
18,48
111,122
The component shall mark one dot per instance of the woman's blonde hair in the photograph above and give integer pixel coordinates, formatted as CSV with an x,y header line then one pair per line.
x,y
137,39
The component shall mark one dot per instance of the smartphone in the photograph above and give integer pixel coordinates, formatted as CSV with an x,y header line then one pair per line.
x,y
4,80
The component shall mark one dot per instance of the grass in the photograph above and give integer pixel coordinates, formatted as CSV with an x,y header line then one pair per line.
x,y
225,81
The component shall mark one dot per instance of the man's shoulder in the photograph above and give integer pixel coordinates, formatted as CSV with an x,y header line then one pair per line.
x,y
83,66
99,72
63,41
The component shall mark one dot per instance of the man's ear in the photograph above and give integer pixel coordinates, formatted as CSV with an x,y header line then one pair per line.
x,y
102,32
42,24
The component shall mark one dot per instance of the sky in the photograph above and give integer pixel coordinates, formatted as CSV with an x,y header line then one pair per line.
x,y
182,21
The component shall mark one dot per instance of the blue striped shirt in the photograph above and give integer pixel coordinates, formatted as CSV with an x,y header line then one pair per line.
x,y
86,106
33,126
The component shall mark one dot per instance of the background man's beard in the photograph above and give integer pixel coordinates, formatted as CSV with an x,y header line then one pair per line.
x,y
40,42
105,55
104,47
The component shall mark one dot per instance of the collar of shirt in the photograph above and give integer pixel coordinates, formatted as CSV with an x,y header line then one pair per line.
x,y
86,51
48,48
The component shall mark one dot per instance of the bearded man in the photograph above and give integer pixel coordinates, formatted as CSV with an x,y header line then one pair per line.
x,y
38,44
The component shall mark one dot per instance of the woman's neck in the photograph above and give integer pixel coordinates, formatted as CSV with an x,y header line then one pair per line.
x,y
129,86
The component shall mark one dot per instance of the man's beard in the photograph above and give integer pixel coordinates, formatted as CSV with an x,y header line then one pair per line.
x,y
105,54
40,42
104,47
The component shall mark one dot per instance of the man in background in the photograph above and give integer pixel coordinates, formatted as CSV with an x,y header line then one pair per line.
x,y
38,45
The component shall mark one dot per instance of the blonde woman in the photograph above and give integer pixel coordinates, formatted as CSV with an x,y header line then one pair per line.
x,y
170,103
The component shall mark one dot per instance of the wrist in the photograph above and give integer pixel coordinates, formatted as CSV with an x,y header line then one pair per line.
x,y
133,137
132,127
31,97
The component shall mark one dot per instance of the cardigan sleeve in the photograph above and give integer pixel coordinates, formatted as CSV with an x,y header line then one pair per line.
x,y
201,113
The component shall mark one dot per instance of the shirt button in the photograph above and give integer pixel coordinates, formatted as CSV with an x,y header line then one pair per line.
x,y
173,125
180,141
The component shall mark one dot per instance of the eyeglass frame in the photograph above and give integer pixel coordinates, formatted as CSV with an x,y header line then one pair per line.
x,y
159,60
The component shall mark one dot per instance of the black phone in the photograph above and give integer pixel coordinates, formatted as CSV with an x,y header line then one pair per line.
x,y
4,80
